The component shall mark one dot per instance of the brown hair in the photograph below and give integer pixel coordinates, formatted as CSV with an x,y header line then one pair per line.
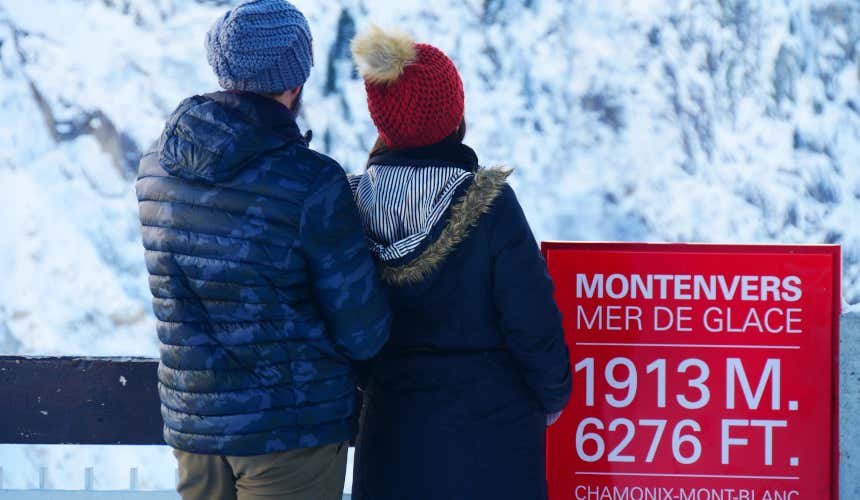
x,y
456,137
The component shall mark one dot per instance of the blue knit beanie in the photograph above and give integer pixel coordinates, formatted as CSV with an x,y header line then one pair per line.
x,y
261,46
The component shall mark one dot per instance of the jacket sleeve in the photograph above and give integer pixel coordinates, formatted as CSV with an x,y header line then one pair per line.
x,y
523,294
343,274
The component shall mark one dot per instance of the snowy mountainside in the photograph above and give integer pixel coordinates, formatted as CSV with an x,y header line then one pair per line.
x,y
636,120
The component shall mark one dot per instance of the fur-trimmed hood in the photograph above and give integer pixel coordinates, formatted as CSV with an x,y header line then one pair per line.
x,y
418,204
462,216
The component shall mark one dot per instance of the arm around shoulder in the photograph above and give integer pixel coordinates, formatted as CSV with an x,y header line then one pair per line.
x,y
344,278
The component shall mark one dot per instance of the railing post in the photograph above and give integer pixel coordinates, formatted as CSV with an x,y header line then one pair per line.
x,y
88,478
43,473
1,478
132,478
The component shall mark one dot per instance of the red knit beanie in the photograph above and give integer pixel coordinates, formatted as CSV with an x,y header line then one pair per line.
x,y
414,93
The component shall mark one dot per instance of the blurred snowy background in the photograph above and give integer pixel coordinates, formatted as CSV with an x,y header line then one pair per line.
x,y
637,120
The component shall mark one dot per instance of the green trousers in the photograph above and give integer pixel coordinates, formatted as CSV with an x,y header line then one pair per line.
x,y
300,474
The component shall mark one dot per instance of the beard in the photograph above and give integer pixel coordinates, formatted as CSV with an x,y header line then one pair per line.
x,y
297,104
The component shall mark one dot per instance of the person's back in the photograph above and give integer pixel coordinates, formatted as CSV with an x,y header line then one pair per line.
x,y
263,288
457,403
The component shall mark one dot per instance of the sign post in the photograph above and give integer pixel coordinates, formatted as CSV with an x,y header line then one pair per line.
x,y
701,372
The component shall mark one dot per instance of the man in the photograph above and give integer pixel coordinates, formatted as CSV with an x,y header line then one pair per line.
x,y
263,286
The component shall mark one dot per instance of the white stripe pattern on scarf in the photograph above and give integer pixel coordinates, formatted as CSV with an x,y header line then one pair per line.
x,y
400,205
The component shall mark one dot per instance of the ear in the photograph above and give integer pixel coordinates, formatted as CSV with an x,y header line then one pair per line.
x,y
293,93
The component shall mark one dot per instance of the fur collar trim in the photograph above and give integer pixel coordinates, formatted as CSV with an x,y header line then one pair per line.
x,y
465,213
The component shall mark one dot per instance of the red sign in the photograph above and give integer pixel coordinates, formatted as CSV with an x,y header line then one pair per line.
x,y
700,372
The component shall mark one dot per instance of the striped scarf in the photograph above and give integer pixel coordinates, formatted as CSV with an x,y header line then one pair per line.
x,y
400,205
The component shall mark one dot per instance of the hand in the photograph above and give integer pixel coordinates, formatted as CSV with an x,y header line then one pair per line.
x,y
551,418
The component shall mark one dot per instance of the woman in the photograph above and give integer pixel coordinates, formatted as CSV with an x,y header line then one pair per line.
x,y
457,403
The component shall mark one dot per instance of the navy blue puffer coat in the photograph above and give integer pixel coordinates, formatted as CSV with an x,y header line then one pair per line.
x,y
262,284
456,403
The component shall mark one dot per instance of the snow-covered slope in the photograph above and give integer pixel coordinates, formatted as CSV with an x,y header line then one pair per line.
x,y
654,120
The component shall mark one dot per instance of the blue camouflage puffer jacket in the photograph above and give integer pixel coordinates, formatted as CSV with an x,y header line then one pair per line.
x,y
262,283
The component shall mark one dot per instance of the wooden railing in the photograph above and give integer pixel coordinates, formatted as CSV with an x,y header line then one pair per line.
x,y
79,400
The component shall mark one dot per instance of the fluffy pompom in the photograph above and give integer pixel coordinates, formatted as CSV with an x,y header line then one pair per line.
x,y
382,56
